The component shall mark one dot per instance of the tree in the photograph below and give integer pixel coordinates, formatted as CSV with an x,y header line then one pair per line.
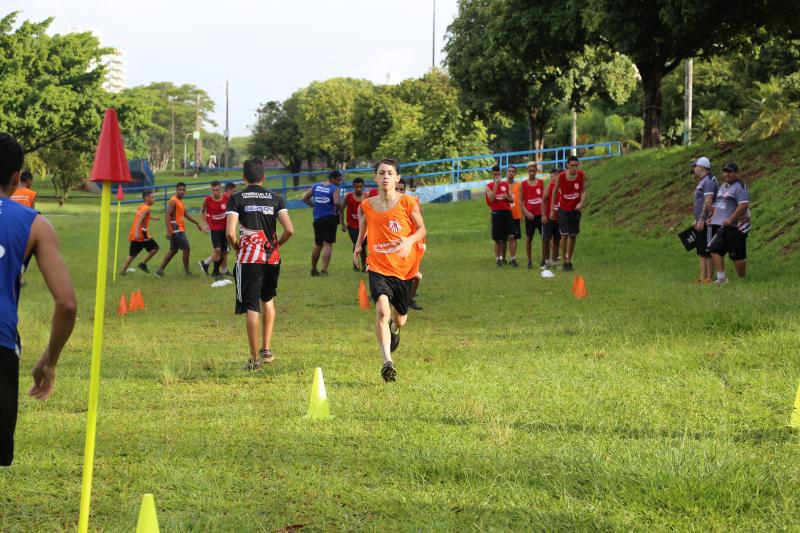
x,y
49,85
659,35
277,135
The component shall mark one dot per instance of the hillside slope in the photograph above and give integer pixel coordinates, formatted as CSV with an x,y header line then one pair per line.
x,y
650,192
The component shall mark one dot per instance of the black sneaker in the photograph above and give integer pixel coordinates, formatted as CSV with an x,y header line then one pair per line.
x,y
388,373
251,365
314,273
143,267
203,267
513,263
530,265
230,274
216,276
356,269
543,264
413,305
159,273
499,263
567,267
323,273
394,338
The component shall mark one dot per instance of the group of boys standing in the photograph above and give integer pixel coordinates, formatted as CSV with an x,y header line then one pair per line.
x,y
552,209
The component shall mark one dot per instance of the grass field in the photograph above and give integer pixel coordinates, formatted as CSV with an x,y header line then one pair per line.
x,y
652,405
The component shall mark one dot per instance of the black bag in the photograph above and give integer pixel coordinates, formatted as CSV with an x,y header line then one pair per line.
x,y
687,239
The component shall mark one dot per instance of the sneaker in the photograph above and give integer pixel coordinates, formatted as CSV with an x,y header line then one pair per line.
x,y
356,269
314,273
567,267
720,281
388,373
251,365
216,276
203,267
364,268
159,273
505,261
413,305
229,274
543,265
189,274
266,356
698,280
143,267
394,340
499,263
123,273
530,265
323,273
513,263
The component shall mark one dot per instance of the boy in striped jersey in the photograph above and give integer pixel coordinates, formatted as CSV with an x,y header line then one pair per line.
x,y
257,210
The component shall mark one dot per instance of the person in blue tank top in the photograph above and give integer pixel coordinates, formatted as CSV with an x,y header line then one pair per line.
x,y
24,232
324,199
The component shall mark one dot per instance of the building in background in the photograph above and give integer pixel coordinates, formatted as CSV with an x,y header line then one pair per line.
x,y
114,63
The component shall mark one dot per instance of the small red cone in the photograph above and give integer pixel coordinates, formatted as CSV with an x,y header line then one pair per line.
x,y
363,298
140,300
120,193
134,305
580,290
122,309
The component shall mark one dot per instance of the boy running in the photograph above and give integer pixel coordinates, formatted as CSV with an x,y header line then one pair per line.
x,y
324,199
350,223
571,185
25,195
393,225
531,204
257,210
24,232
176,230
139,235
213,214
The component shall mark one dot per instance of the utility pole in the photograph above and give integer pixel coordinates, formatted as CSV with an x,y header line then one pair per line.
x,y
573,138
172,107
687,104
198,147
433,39
227,131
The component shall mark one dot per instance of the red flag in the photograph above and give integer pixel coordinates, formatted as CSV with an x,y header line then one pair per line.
x,y
110,162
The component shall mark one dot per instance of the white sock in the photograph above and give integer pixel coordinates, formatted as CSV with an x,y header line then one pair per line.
x,y
720,275
499,257
513,257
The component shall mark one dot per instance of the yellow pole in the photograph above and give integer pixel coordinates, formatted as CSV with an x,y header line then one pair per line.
x,y
116,246
97,345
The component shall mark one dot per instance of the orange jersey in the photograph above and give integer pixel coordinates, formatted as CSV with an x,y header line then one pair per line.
x,y
384,231
516,212
24,196
140,233
178,223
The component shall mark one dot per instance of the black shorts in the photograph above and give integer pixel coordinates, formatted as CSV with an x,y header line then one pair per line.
x,y
517,228
731,241
396,289
702,238
325,229
550,231
219,240
569,222
532,225
502,225
178,241
255,283
9,397
138,246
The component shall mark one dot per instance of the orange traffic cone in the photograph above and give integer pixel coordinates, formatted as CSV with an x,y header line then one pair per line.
x,y
575,284
140,300
122,309
580,289
363,299
134,305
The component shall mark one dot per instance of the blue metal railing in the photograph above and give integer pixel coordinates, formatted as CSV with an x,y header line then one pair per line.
x,y
458,166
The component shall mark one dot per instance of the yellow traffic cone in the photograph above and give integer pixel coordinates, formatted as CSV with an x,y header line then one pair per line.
x,y
318,408
148,522
794,421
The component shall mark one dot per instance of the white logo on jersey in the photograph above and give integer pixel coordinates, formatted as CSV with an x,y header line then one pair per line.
x,y
2,251
394,226
321,200
576,186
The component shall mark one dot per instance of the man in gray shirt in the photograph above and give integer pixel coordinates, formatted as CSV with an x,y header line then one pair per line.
x,y
704,193
732,216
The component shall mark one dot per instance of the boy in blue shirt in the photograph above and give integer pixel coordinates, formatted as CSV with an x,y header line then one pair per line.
x,y
324,199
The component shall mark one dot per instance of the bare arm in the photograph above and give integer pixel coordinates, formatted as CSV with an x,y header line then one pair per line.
x,y
307,197
741,209
579,205
553,199
203,215
43,243
490,193
288,227
527,214
362,233
168,216
545,211
193,221
231,230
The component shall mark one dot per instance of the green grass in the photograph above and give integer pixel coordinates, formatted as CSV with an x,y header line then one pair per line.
x,y
652,405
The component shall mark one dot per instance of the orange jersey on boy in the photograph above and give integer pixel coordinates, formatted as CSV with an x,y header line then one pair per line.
x,y
24,196
140,230
178,223
384,231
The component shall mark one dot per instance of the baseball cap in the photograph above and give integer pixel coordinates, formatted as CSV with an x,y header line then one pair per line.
x,y
702,162
730,165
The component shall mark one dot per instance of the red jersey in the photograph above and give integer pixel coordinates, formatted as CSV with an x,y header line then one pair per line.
x,y
533,196
215,212
498,204
372,192
351,209
557,204
571,190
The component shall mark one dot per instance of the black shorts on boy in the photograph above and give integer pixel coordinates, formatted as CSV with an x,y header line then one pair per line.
x,y
138,246
9,398
255,283
532,225
325,229
396,289
502,225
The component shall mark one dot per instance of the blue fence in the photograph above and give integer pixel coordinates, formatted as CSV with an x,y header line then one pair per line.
x,y
438,171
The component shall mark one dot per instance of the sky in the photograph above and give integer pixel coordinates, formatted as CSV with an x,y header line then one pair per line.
x,y
266,50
